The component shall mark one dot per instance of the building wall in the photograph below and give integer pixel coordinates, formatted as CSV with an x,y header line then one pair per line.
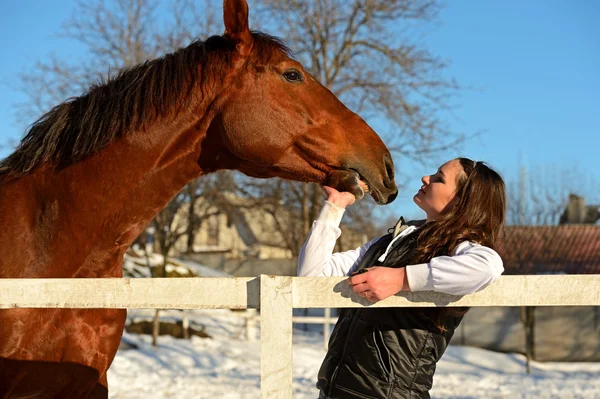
x,y
561,334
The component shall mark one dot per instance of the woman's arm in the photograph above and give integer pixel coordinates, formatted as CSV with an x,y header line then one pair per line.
x,y
472,268
316,257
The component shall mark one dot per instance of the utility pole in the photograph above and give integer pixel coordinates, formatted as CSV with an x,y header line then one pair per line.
x,y
522,196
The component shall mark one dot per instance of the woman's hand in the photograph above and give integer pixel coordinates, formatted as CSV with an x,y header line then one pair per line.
x,y
379,282
342,199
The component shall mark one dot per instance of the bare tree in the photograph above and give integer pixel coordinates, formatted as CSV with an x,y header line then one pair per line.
x,y
115,35
204,200
539,195
287,203
292,207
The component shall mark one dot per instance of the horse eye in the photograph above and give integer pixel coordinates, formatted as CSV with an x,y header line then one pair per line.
x,y
293,76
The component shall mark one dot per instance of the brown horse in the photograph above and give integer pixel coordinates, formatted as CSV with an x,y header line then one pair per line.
x,y
91,173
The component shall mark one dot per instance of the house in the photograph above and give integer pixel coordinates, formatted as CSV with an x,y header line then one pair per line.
x,y
577,212
572,247
235,230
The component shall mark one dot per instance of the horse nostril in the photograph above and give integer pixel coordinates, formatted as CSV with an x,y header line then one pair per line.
x,y
389,166
392,197
389,170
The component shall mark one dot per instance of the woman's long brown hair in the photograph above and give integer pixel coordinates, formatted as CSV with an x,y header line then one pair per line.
x,y
477,216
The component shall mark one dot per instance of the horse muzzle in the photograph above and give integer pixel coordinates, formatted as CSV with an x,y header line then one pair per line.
x,y
351,181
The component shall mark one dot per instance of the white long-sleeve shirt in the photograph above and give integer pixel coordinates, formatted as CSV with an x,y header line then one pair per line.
x,y
471,267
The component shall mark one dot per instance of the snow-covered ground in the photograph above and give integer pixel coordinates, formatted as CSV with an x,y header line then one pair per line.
x,y
228,366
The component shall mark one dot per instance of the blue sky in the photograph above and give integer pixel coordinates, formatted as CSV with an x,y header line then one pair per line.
x,y
532,69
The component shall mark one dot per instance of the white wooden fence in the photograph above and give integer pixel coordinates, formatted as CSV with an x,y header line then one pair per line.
x,y
276,296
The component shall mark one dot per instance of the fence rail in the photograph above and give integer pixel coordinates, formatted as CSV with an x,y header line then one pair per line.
x,y
276,296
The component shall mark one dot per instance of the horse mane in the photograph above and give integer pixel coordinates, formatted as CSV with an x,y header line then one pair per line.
x,y
131,100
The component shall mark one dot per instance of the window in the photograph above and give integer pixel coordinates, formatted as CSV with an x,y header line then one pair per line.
x,y
213,231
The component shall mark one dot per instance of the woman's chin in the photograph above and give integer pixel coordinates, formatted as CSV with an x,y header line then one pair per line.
x,y
417,200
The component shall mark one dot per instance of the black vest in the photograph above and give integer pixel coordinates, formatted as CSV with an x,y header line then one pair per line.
x,y
387,353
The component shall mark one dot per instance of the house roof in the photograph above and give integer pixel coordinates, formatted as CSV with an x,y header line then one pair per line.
x,y
570,249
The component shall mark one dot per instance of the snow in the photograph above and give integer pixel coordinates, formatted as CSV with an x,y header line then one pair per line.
x,y
136,263
228,366
199,269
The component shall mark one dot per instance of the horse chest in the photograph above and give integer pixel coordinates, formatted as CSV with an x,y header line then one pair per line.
x,y
61,334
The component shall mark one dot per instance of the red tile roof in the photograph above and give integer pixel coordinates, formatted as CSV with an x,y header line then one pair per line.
x,y
570,249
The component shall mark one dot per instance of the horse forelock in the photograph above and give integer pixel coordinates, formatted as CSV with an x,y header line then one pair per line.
x,y
131,100
266,46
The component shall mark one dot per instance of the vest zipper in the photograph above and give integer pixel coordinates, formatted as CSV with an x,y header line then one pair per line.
x,y
382,351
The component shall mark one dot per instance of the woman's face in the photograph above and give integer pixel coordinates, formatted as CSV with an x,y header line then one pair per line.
x,y
438,192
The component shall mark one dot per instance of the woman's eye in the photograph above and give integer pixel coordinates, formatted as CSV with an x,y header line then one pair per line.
x,y
292,76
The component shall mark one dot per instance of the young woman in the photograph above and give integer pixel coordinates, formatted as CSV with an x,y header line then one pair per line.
x,y
392,352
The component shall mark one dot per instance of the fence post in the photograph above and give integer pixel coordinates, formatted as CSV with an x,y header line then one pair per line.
x,y
185,324
275,337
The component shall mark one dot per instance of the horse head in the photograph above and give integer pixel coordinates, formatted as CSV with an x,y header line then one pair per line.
x,y
276,120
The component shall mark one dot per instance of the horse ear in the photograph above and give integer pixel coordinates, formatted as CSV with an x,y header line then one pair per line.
x,y
235,16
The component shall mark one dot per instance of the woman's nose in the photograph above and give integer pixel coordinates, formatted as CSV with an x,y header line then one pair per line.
x,y
425,179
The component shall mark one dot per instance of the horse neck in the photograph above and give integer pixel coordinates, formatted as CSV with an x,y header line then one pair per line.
x,y
80,220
